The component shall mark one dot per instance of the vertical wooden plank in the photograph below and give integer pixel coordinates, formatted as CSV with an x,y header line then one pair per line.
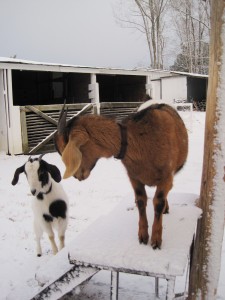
x,y
93,88
148,87
114,290
170,295
24,130
157,287
205,267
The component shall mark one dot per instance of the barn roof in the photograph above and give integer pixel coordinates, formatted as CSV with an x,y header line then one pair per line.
x,y
21,64
13,63
190,74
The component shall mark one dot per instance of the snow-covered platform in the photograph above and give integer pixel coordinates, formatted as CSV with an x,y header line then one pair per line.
x,y
111,243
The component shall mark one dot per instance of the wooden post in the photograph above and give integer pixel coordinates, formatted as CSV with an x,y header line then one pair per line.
x,y
205,268
93,93
114,289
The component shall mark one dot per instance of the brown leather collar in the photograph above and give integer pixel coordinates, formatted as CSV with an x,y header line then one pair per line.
x,y
123,148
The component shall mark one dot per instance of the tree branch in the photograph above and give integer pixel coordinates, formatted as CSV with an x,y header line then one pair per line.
x,y
189,15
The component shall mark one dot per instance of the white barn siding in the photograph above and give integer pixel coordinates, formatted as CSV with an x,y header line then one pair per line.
x,y
174,88
10,124
15,138
168,89
3,123
156,86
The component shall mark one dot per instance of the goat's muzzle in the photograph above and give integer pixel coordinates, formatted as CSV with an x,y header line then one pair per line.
x,y
33,192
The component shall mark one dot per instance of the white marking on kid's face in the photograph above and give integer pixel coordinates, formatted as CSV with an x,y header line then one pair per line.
x,y
31,169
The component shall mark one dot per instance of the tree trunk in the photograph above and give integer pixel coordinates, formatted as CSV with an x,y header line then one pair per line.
x,y
205,268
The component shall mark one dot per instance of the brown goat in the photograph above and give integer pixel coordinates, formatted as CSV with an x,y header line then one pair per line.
x,y
152,144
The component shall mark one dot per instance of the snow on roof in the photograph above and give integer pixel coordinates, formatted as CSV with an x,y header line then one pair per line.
x,y
24,64
170,74
190,74
29,64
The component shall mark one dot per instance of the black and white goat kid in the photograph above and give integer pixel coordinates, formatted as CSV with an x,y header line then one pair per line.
x,y
50,202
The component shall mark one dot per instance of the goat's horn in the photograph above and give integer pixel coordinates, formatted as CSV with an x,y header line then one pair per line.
x,y
40,157
62,120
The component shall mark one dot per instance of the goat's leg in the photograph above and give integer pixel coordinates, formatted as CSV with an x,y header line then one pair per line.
x,y
61,233
166,210
53,244
51,236
61,242
160,206
38,234
141,202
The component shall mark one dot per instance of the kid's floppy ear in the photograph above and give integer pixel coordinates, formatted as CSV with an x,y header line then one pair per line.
x,y
17,174
54,171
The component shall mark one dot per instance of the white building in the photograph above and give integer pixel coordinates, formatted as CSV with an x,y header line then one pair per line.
x,y
181,86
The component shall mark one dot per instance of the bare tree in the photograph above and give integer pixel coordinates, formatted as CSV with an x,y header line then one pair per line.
x,y
147,16
192,22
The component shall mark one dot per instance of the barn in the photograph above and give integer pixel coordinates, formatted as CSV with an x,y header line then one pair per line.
x,y
182,87
32,94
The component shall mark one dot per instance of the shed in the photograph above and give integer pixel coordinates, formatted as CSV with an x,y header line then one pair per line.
x,y
182,87
32,93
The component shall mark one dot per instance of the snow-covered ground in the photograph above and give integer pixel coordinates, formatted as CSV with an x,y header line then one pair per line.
x,y
89,199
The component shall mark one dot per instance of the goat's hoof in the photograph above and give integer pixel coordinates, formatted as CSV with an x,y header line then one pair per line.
x,y
39,255
156,244
143,239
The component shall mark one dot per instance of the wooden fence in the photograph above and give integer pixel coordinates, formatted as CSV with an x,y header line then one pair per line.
x,y
39,123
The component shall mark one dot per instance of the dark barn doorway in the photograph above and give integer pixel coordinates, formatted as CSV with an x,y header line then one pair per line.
x,y
197,92
46,88
121,88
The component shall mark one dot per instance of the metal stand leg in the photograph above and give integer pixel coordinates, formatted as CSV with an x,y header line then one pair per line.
x,y
170,289
157,287
114,286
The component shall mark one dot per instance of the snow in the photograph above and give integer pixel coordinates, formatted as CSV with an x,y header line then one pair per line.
x,y
190,74
39,63
89,200
114,244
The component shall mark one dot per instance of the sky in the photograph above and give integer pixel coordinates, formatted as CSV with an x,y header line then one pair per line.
x,y
78,32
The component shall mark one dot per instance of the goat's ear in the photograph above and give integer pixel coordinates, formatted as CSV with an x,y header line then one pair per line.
x,y
17,174
54,171
72,155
